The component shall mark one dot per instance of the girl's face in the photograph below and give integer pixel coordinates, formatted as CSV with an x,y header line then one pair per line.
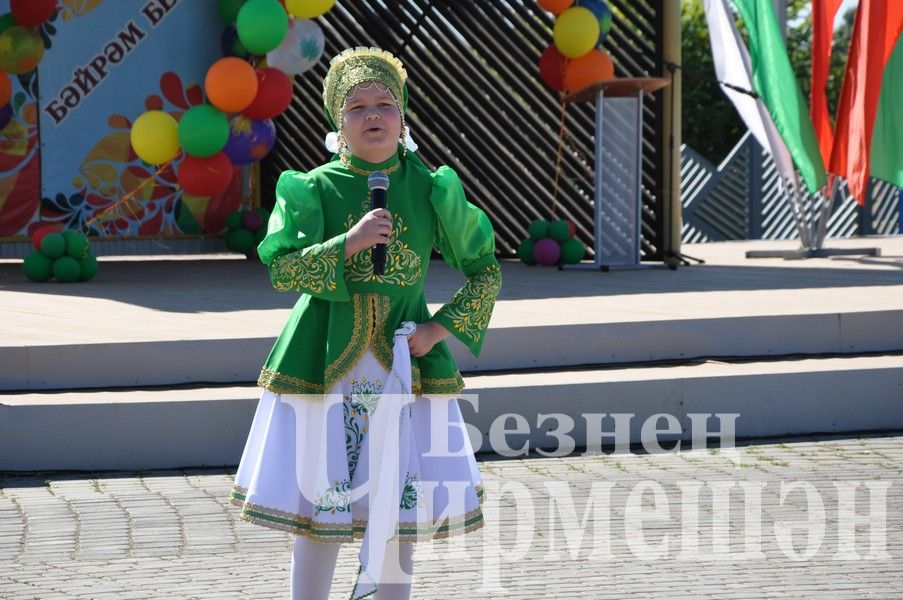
x,y
371,122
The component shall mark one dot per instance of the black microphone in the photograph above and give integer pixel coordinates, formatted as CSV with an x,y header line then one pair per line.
x,y
378,182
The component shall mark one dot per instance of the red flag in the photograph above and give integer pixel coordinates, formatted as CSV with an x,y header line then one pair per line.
x,y
878,24
823,13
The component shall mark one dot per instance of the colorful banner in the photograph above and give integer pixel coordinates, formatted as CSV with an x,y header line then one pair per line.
x,y
775,83
877,27
733,68
823,15
106,62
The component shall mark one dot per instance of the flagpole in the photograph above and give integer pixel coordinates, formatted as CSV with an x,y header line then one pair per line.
x,y
826,211
796,209
808,205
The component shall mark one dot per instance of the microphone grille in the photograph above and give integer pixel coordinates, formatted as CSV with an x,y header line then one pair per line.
x,y
378,180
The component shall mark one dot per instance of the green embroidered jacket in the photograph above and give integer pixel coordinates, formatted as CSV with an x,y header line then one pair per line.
x,y
344,308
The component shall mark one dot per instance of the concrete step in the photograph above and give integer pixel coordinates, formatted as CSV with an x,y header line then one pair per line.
x,y
208,426
138,363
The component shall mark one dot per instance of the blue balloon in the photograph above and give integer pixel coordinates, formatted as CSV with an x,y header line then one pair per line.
x,y
602,12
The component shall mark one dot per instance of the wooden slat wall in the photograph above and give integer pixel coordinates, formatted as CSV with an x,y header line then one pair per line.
x,y
478,105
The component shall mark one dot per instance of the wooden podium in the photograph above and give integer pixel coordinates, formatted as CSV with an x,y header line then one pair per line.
x,y
618,203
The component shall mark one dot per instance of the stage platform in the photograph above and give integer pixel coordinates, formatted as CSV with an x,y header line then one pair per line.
x,y
158,340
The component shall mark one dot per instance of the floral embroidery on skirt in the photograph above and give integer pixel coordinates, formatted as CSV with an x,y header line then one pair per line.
x,y
281,452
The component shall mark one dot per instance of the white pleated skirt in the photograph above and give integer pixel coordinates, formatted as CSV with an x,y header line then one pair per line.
x,y
305,466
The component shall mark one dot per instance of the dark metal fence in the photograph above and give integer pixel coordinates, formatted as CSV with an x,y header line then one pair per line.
x,y
742,199
478,105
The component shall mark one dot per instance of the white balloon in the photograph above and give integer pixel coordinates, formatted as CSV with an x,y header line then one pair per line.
x,y
301,49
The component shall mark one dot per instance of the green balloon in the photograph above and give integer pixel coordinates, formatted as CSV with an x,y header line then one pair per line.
x,y
7,21
262,25
38,267
77,245
525,251
538,229
228,9
240,240
247,241
66,269
53,245
560,231
88,268
21,49
203,130
229,238
233,221
572,251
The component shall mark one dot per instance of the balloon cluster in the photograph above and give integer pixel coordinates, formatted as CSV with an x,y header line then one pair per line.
x,y
551,243
235,126
574,62
65,255
21,45
246,229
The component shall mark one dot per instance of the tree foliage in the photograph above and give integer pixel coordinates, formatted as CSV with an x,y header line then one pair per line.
x,y
711,126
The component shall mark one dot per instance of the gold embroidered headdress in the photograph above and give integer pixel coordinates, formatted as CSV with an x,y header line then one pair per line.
x,y
357,65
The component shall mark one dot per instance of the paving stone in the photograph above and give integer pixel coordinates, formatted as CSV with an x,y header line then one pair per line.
x,y
172,534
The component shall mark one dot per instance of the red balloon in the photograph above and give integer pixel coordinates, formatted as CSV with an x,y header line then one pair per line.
x,y
552,64
31,13
205,176
274,94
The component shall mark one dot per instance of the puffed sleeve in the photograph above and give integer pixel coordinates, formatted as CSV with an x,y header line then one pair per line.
x,y
466,240
298,258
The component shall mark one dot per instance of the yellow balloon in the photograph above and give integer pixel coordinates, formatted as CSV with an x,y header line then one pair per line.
x,y
155,137
308,9
576,31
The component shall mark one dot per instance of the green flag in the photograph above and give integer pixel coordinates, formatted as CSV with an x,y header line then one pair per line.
x,y
776,85
887,140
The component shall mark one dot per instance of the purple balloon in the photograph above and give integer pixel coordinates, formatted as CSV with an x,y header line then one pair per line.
x,y
546,251
249,140
252,221
6,115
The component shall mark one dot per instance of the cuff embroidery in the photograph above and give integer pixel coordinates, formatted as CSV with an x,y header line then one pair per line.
x,y
309,269
470,308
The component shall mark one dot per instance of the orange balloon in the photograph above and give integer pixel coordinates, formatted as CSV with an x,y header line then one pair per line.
x,y
231,84
556,7
6,89
589,69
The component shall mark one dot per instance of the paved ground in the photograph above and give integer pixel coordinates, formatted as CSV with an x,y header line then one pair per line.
x,y
170,534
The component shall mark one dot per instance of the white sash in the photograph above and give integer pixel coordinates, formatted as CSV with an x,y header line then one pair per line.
x,y
389,432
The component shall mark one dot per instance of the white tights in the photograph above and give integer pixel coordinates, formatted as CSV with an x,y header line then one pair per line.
x,y
313,565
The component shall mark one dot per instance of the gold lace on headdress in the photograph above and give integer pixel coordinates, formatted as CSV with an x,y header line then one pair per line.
x,y
354,66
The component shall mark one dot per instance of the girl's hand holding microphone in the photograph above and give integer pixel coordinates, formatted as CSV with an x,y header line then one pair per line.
x,y
374,228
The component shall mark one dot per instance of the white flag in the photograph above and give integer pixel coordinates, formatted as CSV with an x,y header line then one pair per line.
x,y
734,67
